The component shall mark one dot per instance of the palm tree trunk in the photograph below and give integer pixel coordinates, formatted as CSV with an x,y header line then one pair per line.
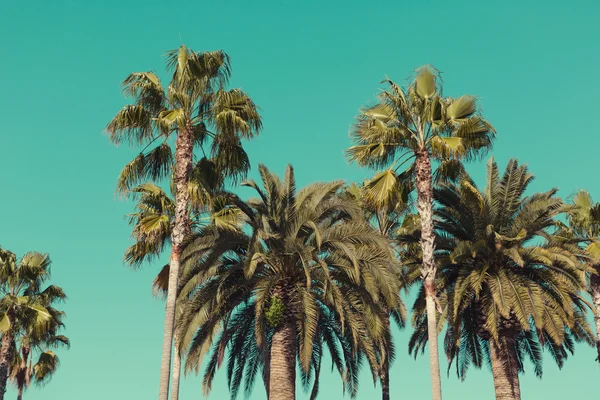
x,y
425,208
505,369
282,380
5,360
176,373
183,164
595,291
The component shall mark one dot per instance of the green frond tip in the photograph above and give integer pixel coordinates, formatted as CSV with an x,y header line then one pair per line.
x,y
275,312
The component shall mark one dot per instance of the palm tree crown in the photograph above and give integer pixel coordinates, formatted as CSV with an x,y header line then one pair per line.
x,y
297,257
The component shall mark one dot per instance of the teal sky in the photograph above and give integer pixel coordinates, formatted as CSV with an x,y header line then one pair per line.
x,y
309,66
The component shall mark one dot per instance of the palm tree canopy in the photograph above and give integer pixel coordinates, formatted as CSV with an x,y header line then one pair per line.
x,y
195,99
503,271
584,222
21,284
307,255
406,122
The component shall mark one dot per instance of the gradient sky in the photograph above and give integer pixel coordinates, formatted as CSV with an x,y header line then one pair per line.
x,y
309,66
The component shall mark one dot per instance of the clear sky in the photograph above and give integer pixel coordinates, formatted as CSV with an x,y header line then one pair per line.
x,y
309,65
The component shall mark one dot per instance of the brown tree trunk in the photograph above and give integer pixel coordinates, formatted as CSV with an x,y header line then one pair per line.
x,y
282,382
505,369
282,370
595,292
184,145
428,271
6,356
20,393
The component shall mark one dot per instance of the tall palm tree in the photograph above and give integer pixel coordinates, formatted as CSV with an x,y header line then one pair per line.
x,y
194,109
22,300
36,341
387,220
584,221
510,286
292,256
413,127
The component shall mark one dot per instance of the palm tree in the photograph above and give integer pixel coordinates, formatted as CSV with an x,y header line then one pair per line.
x,y
22,300
416,126
510,286
584,221
246,359
387,221
293,257
37,341
195,109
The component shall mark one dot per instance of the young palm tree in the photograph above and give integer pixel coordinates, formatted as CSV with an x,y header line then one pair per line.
x,y
510,286
22,300
387,221
584,221
194,109
36,341
416,126
292,256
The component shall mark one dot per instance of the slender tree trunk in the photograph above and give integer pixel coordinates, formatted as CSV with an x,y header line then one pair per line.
x,y
595,291
183,165
282,379
20,393
425,208
176,372
505,369
6,356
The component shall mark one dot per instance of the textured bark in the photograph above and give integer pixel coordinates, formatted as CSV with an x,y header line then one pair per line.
x,y
595,291
282,383
5,360
176,375
183,165
425,208
505,369
282,370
